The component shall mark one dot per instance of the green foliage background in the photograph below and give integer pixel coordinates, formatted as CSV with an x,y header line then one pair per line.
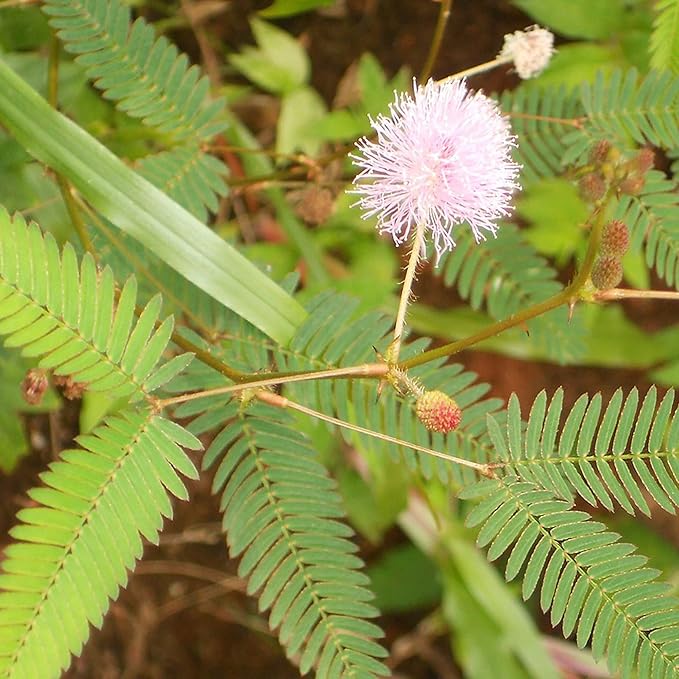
x,y
135,143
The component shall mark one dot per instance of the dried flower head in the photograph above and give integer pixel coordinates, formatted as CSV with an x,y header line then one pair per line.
x,y
530,50
441,158
34,386
599,152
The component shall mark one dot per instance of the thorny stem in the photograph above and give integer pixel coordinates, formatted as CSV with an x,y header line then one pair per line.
x,y
437,39
282,402
64,187
418,242
567,296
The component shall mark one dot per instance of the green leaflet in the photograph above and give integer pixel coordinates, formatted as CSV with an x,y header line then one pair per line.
x,y
653,220
665,36
64,312
507,274
600,454
592,584
74,549
147,76
333,336
282,516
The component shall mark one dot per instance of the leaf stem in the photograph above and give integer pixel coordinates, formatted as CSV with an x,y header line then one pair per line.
x,y
475,70
367,370
620,293
281,402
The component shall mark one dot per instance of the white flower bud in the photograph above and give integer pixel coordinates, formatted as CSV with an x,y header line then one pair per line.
x,y
530,50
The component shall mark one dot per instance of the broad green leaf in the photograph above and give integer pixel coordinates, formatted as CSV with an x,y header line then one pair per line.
x,y
556,215
147,214
577,18
404,579
301,109
492,595
278,64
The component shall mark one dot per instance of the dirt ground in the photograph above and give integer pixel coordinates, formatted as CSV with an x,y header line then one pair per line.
x,y
184,613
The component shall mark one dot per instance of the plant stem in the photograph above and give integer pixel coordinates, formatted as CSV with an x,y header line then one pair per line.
x,y
475,70
620,293
367,370
437,39
418,240
566,296
282,402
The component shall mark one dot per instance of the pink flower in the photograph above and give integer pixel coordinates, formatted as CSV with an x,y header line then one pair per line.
x,y
441,158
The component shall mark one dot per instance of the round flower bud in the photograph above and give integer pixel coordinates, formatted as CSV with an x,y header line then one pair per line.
x,y
34,386
606,273
614,239
592,187
599,151
632,186
438,412
645,160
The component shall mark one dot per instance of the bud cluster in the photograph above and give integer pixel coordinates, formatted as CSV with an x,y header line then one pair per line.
x,y
607,168
607,269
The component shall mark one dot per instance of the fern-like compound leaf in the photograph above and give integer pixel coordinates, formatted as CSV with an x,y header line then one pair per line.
x,y
146,76
624,106
592,584
331,337
506,275
665,36
283,517
334,336
653,220
74,549
620,452
542,119
66,313
189,176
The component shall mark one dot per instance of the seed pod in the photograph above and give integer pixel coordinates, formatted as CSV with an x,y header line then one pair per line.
x,y
438,412
614,239
606,273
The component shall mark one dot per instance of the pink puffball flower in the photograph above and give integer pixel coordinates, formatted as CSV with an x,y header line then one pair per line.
x,y
441,158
